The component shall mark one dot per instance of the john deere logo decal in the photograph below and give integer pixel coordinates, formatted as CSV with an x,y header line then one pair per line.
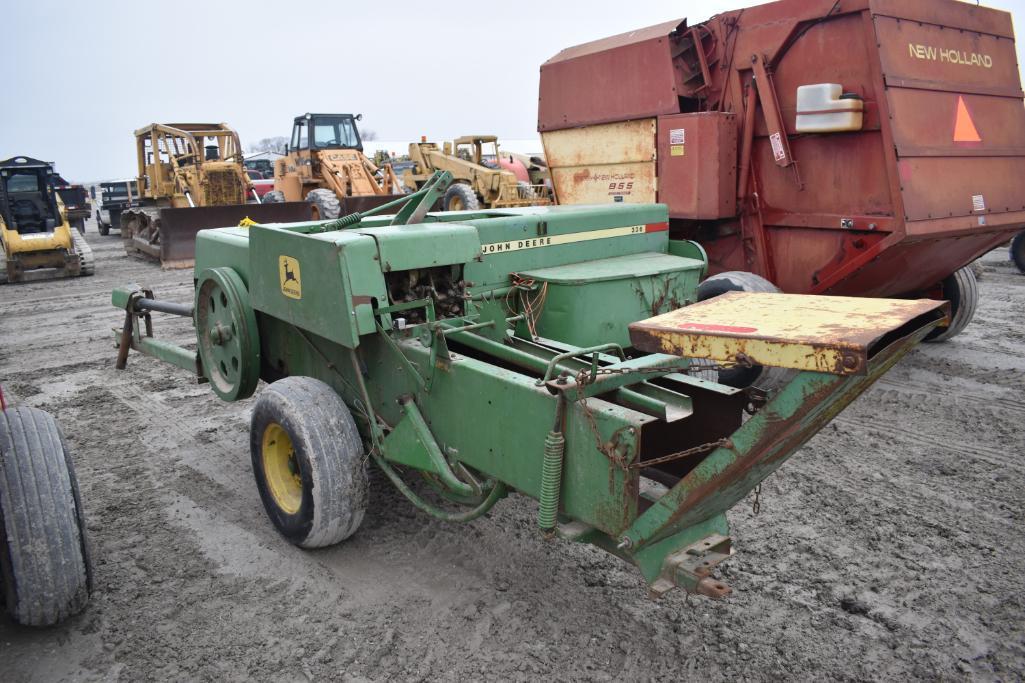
x,y
291,280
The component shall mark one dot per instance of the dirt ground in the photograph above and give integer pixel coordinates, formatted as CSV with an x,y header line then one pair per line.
x,y
891,546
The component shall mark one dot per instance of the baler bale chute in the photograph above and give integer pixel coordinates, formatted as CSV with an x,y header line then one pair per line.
x,y
862,148
191,177
542,351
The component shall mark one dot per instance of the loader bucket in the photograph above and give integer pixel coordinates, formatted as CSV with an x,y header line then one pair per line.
x,y
175,244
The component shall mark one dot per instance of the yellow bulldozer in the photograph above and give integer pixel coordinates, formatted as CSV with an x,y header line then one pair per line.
x,y
325,166
36,239
482,181
192,177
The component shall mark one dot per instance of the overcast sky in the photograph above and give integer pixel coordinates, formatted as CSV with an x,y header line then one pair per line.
x,y
82,75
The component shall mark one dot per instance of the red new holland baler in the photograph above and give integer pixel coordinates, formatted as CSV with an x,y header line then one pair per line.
x,y
852,147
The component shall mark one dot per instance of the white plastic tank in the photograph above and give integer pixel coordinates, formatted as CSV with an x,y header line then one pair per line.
x,y
825,108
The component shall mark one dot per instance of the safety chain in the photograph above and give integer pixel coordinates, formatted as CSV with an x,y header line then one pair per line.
x,y
703,448
609,449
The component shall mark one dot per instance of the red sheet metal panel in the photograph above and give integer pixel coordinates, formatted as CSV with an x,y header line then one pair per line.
x,y
697,164
624,77
957,117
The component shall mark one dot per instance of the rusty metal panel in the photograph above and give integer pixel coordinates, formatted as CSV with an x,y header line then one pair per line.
x,y
957,118
628,76
833,334
697,165
606,163
937,57
959,15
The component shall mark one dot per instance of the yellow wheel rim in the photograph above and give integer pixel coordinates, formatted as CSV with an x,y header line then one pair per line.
x,y
281,469
456,204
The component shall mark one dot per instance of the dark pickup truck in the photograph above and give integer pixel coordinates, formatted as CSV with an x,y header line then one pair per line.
x,y
76,202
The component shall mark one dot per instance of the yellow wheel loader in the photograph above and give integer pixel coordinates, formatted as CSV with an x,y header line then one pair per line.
x,y
480,180
38,242
192,177
325,166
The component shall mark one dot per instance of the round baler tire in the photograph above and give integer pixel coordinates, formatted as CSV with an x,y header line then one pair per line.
x,y
43,582
273,197
325,457
325,203
763,377
962,291
1018,251
464,195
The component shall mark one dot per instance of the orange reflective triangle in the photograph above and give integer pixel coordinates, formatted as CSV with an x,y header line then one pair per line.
x,y
964,127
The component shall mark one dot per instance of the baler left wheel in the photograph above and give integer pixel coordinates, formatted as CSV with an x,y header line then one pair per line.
x,y
1018,251
308,462
229,340
962,291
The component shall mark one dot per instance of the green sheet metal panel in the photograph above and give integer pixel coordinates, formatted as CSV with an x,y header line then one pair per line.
x,y
405,247
555,236
223,247
593,302
323,283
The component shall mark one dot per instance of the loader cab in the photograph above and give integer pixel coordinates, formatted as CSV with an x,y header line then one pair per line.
x,y
325,131
28,202
481,150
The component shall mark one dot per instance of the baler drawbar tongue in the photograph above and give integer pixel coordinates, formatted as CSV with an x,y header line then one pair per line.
x,y
832,334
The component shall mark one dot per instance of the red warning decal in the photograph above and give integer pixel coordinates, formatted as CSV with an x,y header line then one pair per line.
x,y
964,127
656,227
710,327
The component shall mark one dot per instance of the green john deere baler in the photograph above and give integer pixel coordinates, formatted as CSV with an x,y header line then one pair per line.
x,y
541,351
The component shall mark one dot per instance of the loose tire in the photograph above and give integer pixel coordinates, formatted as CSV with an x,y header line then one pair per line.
x,y
460,197
45,570
308,462
1018,251
962,291
325,204
760,376
274,197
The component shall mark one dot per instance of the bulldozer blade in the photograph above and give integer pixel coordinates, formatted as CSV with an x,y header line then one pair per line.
x,y
178,227
365,203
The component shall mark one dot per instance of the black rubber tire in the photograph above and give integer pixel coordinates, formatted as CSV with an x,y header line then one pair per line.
x,y
78,224
962,291
103,228
329,455
462,193
1018,251
760,376
45,566
325,203
273,197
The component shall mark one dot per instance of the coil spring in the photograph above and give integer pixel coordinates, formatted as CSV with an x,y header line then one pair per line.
x,y
551,481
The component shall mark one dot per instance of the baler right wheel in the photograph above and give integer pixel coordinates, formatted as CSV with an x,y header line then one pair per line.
x,y
274,197
460,197
1018,251
962,291
308,462
324,204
